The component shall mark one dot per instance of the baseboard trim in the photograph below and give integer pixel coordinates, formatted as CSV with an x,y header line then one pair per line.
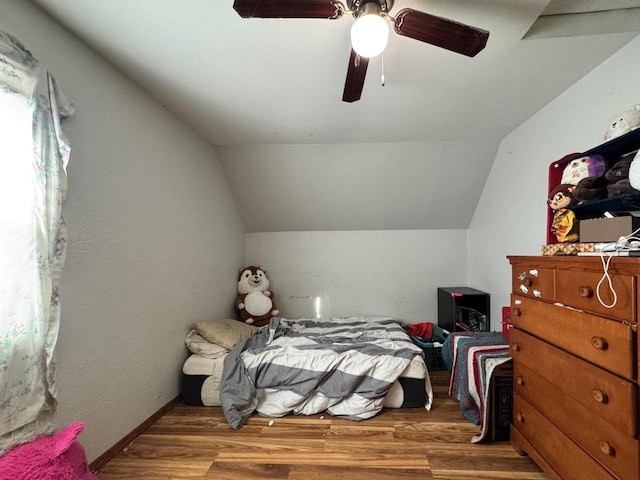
x,y
99,462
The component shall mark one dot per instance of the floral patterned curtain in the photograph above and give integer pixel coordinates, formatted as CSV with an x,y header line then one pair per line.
x,y
33,159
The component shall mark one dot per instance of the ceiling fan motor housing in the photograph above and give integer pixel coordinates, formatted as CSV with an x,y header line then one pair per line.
x,y
357,6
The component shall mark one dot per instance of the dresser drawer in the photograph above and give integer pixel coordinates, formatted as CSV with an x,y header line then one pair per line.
x,y
607,343
579,290
602,440
533,281
604,394
559,451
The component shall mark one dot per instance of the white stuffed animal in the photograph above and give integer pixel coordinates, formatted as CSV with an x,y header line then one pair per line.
x,y
624,123
634,172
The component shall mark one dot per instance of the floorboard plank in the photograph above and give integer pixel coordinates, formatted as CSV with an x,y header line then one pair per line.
x,y
357,473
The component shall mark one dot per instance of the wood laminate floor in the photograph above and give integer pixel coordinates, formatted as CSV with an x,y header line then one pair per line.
x,y
196,443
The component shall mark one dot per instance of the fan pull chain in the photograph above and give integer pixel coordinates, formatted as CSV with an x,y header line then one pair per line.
x,y
382,69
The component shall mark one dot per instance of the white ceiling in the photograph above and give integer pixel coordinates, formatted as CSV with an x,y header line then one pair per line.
x,y
243,82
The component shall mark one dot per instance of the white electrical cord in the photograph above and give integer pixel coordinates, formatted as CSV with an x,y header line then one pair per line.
x,y
605,275
623,244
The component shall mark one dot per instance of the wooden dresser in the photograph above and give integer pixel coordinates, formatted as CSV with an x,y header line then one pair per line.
x,y
575,366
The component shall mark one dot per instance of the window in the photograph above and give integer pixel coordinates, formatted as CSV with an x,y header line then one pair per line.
x,y
33,159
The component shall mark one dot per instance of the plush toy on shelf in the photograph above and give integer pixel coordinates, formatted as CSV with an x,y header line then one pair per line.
x,y
634,171
618,182
584,167
255,300
624,123
590,189
564,225
587,174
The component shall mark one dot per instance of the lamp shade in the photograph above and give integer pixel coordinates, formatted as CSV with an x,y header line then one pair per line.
x,y
369,35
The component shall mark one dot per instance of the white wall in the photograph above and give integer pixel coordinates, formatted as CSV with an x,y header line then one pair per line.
x,y
394,273
510,218
365,186
155,238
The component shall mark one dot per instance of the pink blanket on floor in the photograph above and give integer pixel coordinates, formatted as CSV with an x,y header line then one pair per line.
x,y
49,457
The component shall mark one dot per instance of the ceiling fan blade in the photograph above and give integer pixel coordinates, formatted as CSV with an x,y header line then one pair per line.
x,y
356,73
288,8
442,32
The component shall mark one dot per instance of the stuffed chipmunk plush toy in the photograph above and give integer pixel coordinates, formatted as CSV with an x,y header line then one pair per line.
x,y
255,300
565,224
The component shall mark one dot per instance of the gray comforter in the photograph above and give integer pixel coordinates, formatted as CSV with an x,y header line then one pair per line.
x,y
344,366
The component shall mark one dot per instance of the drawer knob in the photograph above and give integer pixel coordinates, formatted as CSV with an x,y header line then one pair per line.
x,y
516,312
520,380
520,417
599,343
605,447
585,291
599,396
515,347
526,282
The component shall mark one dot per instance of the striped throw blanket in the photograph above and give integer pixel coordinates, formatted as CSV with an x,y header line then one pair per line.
x,y
344,366
474,357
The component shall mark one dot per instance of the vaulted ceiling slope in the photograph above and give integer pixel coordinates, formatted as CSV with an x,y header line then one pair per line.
x,y
257,87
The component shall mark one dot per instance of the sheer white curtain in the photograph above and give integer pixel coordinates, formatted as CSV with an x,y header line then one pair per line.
x,y
33,158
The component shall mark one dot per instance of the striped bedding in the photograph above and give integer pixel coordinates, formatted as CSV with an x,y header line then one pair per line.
x,y
473,358
344,366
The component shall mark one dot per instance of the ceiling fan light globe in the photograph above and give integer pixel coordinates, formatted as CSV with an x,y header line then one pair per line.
x,y
369,35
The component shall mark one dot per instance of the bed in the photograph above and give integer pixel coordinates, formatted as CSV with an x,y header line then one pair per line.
x,y
349,367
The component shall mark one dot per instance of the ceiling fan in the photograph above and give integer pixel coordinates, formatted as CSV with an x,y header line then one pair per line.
x,y
369,41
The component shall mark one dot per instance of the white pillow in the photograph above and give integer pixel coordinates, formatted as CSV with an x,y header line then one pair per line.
x,y
200,346
227,332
